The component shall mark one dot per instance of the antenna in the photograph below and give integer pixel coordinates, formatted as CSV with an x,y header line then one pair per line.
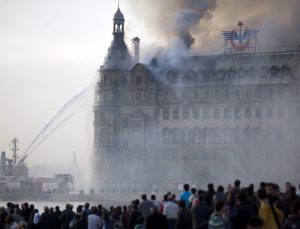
x,y
118,4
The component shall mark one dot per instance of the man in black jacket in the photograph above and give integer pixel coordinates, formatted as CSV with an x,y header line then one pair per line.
x,y
156,220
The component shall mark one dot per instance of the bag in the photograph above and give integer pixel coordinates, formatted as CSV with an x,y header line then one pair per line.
x,y
73,223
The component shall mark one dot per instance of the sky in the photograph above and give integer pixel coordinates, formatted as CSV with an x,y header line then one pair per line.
x,y
51,50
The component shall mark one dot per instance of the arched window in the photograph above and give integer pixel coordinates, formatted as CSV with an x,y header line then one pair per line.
x,y
275,71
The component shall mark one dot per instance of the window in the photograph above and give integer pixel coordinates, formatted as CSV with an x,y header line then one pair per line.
x,y
176,114
248,113
258,112
227,93
237,93
237,113
206,94
226,135
248,136
280,112
248,93
138,96
185,136
166,114
166,136
186,113
279,134
237,135
166,96
269,112
217,93
195,113
206,113
196,135
259,92
176,137
216,113
138,80
217,136
196,94
258,135
227,113
125,123
206,135
270,92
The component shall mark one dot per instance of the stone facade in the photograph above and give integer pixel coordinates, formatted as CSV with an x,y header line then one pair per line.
x,y
203,119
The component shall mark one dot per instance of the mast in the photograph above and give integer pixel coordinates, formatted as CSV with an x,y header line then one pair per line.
x,y
14,148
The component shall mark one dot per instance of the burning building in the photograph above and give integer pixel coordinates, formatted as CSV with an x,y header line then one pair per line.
x,y
204,119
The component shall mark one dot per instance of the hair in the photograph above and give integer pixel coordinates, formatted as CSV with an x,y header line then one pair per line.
x,y
140,220
237,183
202,197
9,219
220,188
56,208
210,186
46,209
186,187
193,190
86,205
153,197
144,197
242,197
262,194
262,185
219,205
79,209
94,210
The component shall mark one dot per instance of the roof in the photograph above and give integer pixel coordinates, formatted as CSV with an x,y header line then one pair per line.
x,y
118,15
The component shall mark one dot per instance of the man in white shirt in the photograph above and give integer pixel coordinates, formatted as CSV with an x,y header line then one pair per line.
x,y
171,211
94,221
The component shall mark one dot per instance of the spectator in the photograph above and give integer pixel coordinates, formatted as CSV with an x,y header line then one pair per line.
x,y
184,220
156,220
171,212
216,220
94,221
186,195
145,206
200,214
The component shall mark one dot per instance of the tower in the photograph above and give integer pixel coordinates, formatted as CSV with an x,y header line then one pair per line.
x,y
112,75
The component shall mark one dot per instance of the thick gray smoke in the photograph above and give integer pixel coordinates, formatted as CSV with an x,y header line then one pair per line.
x,y
200,22
188,16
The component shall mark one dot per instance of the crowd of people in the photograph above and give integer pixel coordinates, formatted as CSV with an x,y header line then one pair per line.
x,y
235,208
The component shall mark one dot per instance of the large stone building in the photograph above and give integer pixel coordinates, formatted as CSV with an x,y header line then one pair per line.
x,y
201,119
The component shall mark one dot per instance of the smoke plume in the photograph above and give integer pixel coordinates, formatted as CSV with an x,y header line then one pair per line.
x,y
199,23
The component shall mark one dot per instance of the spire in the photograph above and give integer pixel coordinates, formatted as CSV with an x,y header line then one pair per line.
x,y
118,56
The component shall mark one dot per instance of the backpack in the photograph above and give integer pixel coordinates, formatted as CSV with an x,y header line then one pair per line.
x,y
216,222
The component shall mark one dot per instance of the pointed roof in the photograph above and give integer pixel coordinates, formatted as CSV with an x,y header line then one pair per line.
x,y
118,15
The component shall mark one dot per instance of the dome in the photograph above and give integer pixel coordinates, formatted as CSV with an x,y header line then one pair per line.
x,y
119,15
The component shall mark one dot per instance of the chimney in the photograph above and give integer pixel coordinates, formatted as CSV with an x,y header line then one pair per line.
x,y
136,49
